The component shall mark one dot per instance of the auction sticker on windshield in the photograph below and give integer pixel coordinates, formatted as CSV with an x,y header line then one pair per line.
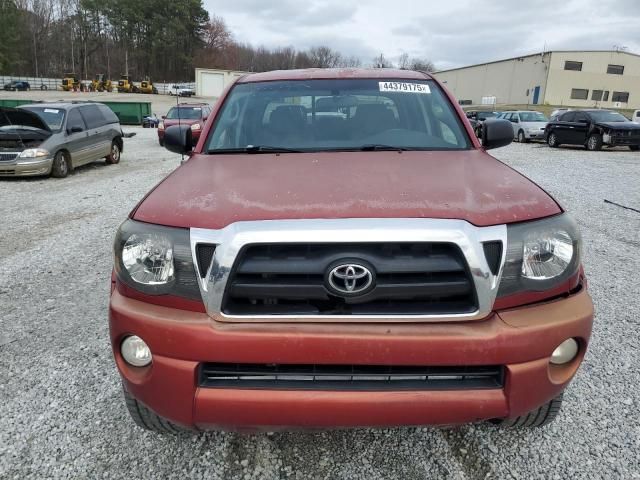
x,y
404,87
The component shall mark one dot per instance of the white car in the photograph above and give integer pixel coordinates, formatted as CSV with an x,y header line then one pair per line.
x,y
181,91
527,124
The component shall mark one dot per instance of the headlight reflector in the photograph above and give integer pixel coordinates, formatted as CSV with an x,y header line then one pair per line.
x,y
195,126
34,153
565,352
148,258
546,256
135,351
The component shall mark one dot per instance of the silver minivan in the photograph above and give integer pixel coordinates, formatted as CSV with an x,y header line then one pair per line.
x,y
527,124
54,138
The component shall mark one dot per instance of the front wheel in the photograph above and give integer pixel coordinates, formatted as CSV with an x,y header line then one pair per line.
x,y
521,137
147,419
543,415
594,143
60,166
552,140
114,156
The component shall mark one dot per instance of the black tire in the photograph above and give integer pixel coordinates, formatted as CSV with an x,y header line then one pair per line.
x,y
522,138
114,156
539,417
594,142
634,148
552,140
147,419
60,167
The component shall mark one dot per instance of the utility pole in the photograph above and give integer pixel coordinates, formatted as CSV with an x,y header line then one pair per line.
x,y
126,62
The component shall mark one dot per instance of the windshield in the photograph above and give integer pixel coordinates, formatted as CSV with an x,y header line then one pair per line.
x,y
53,117
606,116
326,115
185,113
533,117
485,115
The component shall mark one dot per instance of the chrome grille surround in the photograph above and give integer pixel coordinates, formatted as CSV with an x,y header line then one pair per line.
x,y
231,239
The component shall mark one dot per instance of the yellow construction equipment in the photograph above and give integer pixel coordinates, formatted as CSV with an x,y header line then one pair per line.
x,y
146,86
125,85
70,82
100,84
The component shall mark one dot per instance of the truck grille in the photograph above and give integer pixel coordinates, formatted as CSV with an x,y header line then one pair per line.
x,y
292,279
349,377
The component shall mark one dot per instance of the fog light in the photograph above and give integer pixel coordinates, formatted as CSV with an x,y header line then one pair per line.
x,y
565,352
135,351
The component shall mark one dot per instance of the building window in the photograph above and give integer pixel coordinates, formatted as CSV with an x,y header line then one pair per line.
x,y
596,95
605,97
569,65
615,69
622,97
580,93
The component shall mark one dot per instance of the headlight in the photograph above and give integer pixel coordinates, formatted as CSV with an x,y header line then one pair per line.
x,y
34,153
540,255
155,260
148,258
195,126
161,126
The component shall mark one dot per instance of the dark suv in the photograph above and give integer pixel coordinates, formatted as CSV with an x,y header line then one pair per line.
x,y
17,85
593,129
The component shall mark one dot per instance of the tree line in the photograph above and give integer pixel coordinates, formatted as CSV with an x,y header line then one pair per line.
x,y
159,39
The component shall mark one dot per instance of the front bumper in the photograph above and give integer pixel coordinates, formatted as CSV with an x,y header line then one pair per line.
x,y
16,169
520,339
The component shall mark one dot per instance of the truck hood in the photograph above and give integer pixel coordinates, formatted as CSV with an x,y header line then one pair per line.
x,y
18,117
213,191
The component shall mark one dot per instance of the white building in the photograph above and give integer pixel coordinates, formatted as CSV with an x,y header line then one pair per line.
x,y
608,79
211,83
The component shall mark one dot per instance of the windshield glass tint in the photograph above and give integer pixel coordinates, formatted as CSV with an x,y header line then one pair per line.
x,y
53,117
605,116
532,117
317,115
187,113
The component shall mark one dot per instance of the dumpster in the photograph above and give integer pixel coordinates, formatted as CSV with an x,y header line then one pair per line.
x,y
130,113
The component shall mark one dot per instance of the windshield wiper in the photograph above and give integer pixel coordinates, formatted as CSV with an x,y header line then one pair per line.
x,y
254,149
379,147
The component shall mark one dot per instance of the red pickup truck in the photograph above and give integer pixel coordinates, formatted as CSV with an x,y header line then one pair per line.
x,y
339,250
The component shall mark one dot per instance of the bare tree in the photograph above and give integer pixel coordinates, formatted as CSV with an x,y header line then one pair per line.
x,y
403,61
422,65
381,62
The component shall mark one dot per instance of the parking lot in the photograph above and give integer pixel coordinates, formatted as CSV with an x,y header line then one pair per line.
x,y
62,411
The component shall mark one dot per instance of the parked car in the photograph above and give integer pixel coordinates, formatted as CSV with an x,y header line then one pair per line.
x,y
17,85
477,118
181,91
527,124
593,129
636,116
377,268
54,138
192,114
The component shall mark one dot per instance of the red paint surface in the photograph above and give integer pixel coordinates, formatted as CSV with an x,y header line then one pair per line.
x,y
517,338
213,191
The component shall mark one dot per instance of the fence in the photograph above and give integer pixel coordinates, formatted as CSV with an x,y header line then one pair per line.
x,y
44,83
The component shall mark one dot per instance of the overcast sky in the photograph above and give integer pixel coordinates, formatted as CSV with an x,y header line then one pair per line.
x,y
449,33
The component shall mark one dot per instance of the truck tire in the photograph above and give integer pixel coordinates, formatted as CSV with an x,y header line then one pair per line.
x,y
539,417
114,156
552,140
60,166
147,419
594,142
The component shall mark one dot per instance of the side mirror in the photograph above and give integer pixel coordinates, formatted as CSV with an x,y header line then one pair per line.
x,y
178,139
515,120
496,133
76,129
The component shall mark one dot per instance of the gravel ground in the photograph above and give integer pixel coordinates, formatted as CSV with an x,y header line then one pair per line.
x,y
62,413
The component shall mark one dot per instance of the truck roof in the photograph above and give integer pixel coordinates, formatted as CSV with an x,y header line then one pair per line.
x,y
330,73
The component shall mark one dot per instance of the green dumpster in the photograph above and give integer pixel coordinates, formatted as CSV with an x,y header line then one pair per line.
x,y
6,102
130,113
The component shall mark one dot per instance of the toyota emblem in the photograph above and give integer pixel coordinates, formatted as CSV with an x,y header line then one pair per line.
x,y
350,279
